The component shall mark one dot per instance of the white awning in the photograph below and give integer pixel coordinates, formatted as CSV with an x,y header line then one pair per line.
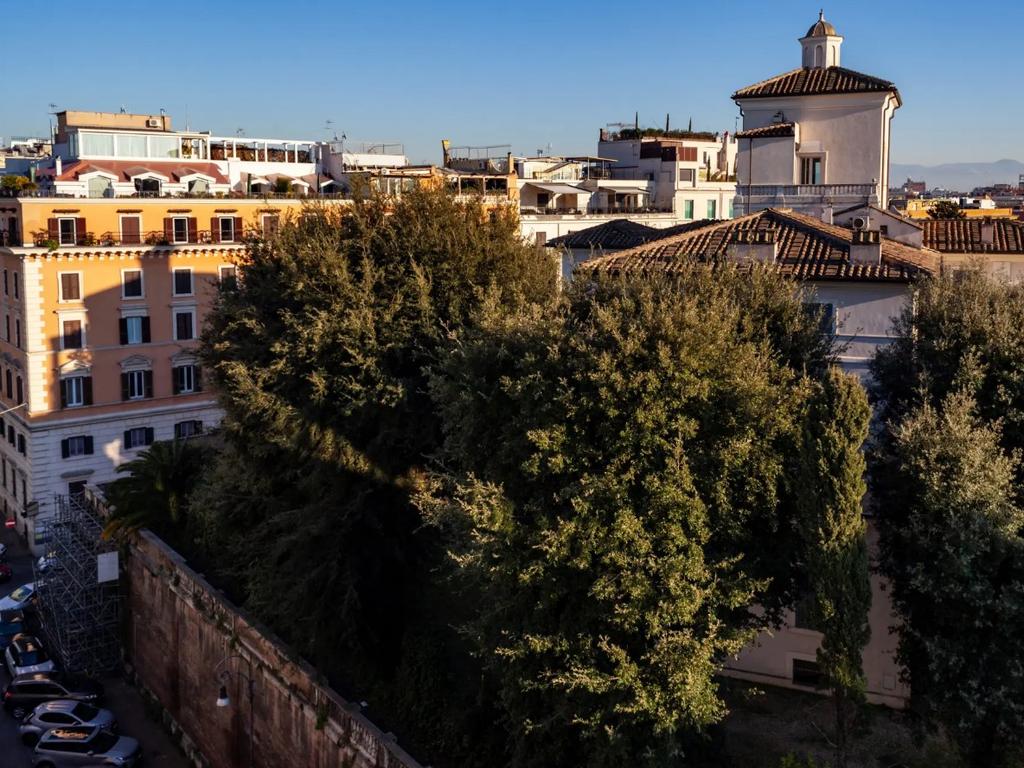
x,y
561,189
624,190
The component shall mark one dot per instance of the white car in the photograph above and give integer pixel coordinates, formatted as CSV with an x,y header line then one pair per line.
x,y
46,562
25,655
20,599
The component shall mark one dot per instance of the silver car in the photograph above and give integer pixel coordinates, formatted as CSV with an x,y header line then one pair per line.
x,y
72,747
62,713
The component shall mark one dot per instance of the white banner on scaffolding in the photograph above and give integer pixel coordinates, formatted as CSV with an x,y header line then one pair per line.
x,y
106,567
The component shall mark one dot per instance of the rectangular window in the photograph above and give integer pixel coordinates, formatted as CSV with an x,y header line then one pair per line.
x,y
228,277
131,230
806,673
136,384
811,170
183,282
17,333
186,429
131,284
180,229
133,330
76,391
688,209
227,229
21,391
71,337
270,224
67,231
16,290
6,292
10,435
138,437
21,444
4,464
803,613
712,209
183,325
186,379
80,445
825,314
70,286
7,327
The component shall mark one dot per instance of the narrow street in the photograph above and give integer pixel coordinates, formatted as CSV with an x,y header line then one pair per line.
x,y
123,700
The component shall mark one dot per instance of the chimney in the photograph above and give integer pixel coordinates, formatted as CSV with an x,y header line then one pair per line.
x,y
753,245
988,231
866,247
827,214
58,166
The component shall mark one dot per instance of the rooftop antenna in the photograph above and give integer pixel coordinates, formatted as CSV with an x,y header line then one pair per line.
x,y
53,134
124,110
162,111
188,125
239,131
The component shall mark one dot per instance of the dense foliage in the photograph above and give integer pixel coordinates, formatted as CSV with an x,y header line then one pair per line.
x,y
615,468
830,489
946,209
318,355
947,480
526,525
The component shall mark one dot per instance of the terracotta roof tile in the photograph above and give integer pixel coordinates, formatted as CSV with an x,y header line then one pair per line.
x,y
125,169
808,81
768,131
612,235
964,235
808,249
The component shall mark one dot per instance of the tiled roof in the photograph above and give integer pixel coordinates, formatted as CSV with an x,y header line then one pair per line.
x,y
619,234
808,81
964,235
808,249
125,169
612,235
768,131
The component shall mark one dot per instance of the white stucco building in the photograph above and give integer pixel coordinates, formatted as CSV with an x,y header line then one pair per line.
x,y
815,138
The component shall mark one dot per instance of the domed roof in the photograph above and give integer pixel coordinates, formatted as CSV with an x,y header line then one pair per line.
x,y
821,28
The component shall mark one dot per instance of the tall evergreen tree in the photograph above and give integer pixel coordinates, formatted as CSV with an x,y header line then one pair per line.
x,y
830,488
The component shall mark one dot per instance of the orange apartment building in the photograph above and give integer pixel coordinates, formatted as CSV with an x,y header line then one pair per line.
x,y
102,302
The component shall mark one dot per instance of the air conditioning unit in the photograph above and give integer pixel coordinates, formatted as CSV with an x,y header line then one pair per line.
x,y
153,122
861,222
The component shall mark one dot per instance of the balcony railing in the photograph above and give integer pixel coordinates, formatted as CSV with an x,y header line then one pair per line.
x,y
806,190
542,211
50,193
153,238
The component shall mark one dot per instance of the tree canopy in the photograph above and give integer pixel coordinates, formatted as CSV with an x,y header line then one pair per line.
x,y
946,209
614,468
946,477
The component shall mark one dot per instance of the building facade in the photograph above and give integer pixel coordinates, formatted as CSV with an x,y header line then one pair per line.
x,y
815,138
103,301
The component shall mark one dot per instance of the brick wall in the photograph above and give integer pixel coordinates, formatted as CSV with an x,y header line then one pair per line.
x,y
179,628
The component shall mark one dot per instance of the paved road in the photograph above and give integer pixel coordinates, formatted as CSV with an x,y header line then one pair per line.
x,y
127,705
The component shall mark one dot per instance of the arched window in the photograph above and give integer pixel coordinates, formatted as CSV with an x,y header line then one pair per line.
x,y
818,56
832,51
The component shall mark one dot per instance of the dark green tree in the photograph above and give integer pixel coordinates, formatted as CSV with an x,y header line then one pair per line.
x,y
318,355
952,546
615,467
154,493
951,396
830,488
946,209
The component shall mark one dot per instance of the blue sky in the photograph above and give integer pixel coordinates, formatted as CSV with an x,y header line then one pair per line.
x,y
527,73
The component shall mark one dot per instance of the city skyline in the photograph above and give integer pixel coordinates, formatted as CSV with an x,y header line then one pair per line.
x,y
525,75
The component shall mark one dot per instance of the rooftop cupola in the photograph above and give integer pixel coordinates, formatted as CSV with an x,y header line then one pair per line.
x,y
821,44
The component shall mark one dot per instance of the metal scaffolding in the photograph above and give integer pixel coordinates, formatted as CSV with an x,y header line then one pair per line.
x,y
79,614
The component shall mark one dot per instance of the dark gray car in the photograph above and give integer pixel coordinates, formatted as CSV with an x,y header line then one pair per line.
x,y
85,748
63,713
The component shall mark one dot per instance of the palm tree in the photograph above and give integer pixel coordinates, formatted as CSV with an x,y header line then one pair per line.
x,y
154,493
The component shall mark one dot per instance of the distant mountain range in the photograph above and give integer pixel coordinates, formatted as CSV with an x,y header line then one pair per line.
x,y
962,177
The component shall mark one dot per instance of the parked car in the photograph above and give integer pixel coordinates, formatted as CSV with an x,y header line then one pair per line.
x,y
11,623
46,562
26,692
3,552
20,599
79,747
26,654
63,713
6,573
